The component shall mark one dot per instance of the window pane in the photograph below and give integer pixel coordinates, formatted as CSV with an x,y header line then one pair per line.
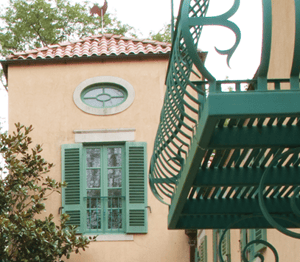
x,y
93,157
114,177
115,219
103,98
113,92
93,178
104,201
93,193
93,93
93,102
93,199
114,156
93,220
113,102
114,192
93,202
114,198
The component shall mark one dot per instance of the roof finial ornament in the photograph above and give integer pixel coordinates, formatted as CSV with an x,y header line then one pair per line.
x,y
100,11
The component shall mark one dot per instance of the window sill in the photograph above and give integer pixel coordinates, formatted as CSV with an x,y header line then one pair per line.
x,y
117,237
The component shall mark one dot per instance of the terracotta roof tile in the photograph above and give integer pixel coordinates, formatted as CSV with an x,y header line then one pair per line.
x,y
98,45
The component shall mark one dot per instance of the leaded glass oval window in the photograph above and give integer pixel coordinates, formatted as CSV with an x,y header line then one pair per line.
x,y
104,95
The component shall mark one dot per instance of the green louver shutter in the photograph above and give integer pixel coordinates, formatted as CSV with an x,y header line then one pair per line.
x,y
71,173
201,254
136,187
258,234
225,245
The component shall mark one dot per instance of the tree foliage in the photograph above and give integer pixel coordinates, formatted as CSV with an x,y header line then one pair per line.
x,y
28,24
26,234
163,35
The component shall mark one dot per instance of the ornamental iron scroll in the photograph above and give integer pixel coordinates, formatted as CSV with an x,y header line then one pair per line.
x,y
177,126
221,20
286,156
208,152
265,243
174,134
190,22
291,153
185,99
248,245
279,160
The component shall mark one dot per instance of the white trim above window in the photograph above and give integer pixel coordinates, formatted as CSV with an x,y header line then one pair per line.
x,y
105,135
102,81
116,237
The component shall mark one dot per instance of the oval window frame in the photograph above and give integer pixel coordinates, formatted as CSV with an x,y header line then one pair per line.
x,y
104,86
111,80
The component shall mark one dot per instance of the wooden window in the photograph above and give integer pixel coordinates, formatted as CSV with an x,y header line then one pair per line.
x,y
106,191
225,245
201,253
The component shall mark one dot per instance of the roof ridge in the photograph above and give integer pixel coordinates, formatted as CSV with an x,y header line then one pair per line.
x,y
95,45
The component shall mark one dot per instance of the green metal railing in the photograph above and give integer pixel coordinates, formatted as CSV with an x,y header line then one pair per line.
x,y
185,98
181,111
227,153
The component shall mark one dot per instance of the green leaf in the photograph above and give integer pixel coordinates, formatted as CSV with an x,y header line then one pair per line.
x,y
24,237
38,23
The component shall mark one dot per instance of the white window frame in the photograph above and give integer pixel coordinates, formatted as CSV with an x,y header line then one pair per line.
x,y
101,80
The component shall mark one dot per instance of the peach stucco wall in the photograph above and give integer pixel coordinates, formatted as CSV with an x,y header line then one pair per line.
x,y
283,43
42,95
282,38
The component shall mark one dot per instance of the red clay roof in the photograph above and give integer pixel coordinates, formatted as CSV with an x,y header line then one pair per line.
x,y
99,45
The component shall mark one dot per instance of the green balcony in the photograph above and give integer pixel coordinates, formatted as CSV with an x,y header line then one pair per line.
x,y
220,157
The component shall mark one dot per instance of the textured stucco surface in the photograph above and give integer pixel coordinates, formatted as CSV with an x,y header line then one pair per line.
x,y
42,95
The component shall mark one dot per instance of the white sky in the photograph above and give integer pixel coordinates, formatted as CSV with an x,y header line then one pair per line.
x,y
152,15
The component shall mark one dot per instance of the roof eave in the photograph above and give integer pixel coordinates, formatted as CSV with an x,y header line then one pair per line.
x,y
8,62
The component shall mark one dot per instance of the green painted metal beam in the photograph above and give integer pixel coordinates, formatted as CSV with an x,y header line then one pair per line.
x,y
254,104
242,207
223,221
216,177
246,177
191,166
255,137
171,180
227,105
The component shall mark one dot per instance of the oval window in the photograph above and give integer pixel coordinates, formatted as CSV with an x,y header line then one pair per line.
x,y
103,95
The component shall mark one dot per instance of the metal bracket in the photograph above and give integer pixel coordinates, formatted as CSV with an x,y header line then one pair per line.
x,y
60,210
149,207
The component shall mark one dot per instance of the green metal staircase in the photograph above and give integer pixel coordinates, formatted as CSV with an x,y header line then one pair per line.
x,y
227,158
